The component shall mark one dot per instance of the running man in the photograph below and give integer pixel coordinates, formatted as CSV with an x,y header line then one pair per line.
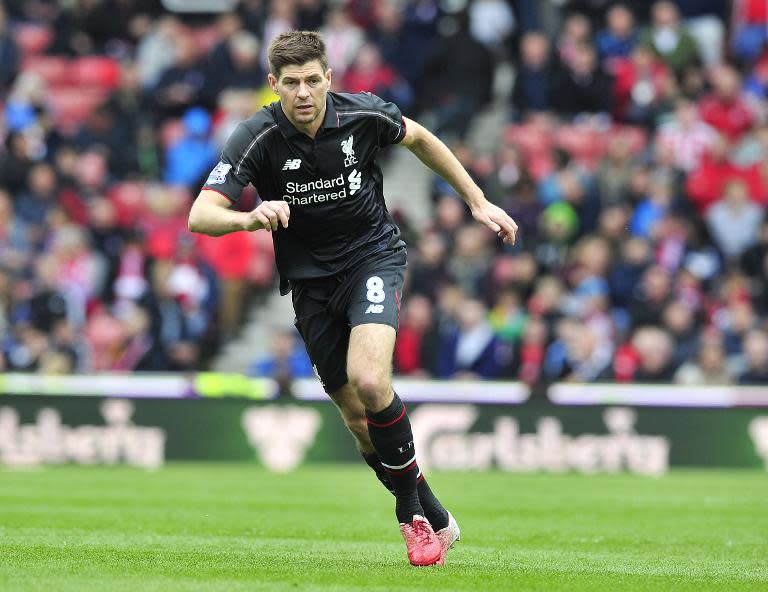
x,y
312,158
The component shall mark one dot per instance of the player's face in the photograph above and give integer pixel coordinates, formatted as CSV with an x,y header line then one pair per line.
x,y
302,91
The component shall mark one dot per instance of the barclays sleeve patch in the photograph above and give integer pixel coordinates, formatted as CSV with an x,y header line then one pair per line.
x,y
219,174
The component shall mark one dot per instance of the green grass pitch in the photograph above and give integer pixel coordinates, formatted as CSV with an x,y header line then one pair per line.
x,y
231,527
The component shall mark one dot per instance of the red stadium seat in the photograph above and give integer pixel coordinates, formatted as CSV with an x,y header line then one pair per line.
x,y
96,71
540,165
637,137
89,71
54,70
530,138
128,198
585,144
71,106
535,141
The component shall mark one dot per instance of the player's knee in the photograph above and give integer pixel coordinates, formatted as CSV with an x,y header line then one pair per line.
x,y
372,388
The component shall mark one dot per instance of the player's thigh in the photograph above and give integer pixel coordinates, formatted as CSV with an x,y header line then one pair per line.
x,y
325,337
369,363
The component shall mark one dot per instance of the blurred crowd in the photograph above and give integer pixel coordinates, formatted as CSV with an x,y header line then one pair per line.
x,y
636,165
634,158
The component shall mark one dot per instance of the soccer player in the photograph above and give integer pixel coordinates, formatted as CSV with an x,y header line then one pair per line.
x,y
312,158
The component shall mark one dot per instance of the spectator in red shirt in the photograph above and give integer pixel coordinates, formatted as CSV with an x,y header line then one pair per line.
x,y
725,108
706,183
533,350
640,85
416,340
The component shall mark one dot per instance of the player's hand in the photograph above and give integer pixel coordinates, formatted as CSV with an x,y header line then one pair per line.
x,y
269,215
497,220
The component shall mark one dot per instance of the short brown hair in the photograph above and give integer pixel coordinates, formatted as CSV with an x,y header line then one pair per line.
x,y
296,48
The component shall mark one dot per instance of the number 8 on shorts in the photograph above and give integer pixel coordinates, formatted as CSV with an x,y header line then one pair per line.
x,y
375,287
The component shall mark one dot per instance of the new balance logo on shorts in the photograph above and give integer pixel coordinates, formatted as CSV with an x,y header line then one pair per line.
x,y
292,164
375,308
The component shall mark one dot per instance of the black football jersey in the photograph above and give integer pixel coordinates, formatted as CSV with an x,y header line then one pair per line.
x,y
331,182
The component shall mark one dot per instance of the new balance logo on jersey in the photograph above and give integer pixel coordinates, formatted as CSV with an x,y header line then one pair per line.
x,y
355,180
292,164
346,148
375,308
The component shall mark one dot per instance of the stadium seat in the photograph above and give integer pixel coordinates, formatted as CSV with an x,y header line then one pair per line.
x,y
96,71
535,142
128,199
583,143
588,145
540,165
71,106
637,137
55,70
530,138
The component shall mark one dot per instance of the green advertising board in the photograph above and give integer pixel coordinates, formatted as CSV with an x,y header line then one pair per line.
x,y
536,436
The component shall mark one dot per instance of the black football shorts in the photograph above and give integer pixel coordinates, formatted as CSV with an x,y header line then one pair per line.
x,y
327,309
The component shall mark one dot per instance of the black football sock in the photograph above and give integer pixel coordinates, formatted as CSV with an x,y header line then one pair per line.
x,y
374,462
433,509
391,436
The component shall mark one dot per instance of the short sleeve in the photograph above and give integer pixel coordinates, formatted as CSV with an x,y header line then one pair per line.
x,y
237,166
390,124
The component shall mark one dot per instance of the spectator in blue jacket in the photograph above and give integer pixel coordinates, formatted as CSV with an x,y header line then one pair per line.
x,y
287,361
192,156
469,351
620,36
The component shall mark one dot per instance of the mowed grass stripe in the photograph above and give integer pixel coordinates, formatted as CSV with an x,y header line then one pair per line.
x,y
233,527
332,552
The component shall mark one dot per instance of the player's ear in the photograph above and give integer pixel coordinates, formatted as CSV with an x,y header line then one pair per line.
x,y
272,82
329,76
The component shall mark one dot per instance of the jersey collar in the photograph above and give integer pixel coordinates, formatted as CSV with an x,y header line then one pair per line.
x,y
331,119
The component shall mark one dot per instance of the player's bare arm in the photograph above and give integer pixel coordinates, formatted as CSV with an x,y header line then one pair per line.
x,y
211,214
438,157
